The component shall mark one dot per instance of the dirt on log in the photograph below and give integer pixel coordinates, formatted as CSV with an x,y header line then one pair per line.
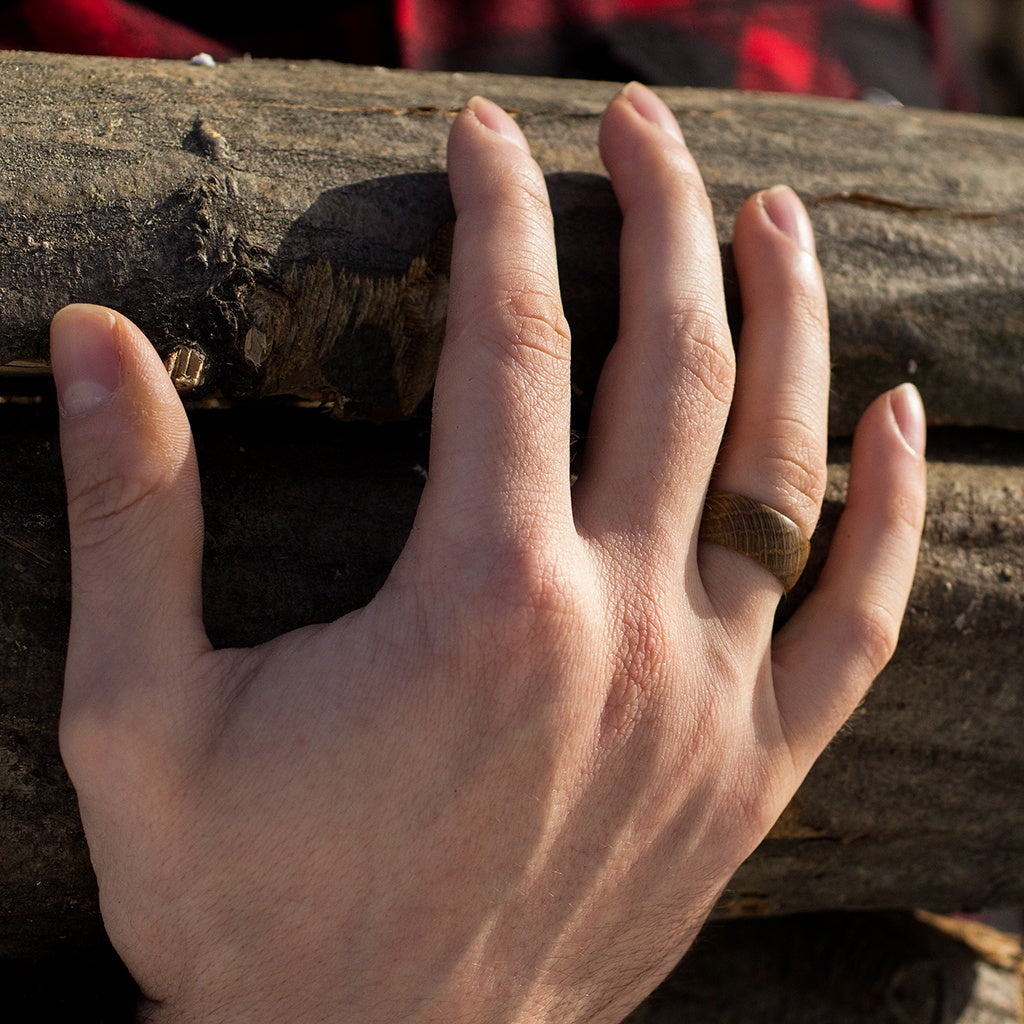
x,y
288,222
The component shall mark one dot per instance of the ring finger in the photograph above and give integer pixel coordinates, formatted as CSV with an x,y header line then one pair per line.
x,y
776,439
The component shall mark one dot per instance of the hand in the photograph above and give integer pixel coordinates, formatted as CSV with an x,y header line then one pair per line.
x,y
513,785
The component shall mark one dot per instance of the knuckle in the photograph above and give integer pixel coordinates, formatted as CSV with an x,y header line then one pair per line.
x,y
110,730
525,590
905,510
522,627
709,365
108,751
95,733
811,310
801,293
523,325
84,745
876,632
534,323
530,576
99,508
792,457
673,175
900,511
530,196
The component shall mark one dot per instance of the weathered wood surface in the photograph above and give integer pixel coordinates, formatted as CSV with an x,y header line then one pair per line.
x,y
861,968
881,968
919,801
290,220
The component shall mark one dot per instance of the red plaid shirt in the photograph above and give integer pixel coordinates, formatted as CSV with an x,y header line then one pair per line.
x,y
906,49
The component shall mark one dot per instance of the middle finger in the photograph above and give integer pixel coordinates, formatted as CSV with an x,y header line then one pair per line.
x,y
664,393
500,431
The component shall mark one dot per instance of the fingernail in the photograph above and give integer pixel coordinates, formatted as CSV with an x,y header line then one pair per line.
x,y
490,115
908,409
787,213
84,358
651,108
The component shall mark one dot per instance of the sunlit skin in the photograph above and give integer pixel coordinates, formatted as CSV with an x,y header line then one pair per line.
x,y
511,787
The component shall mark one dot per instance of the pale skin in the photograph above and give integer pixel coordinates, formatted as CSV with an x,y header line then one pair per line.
x,y
511,787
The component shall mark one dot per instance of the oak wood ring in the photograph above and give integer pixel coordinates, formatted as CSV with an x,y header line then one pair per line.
x,y
758,531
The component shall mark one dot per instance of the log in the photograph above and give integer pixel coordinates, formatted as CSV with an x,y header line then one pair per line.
x,y
281,230
917,802
844,969
813,969
283,227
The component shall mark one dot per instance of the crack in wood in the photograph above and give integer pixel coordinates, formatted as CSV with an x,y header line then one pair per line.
x,y
859,198
26,549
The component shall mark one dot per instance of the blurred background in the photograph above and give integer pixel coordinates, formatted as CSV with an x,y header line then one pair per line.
x,y
971,50
995,29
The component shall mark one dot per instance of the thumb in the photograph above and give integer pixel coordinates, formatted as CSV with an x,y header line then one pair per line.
x,y
134,512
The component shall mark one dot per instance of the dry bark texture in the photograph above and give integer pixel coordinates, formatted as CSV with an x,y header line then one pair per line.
x,y
290,221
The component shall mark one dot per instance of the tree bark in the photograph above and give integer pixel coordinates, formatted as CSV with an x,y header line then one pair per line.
x,y
919,801
289,221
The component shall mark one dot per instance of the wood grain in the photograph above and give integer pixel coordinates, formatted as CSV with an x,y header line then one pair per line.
x,y
291,220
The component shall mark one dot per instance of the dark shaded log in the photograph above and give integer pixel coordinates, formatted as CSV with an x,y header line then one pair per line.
x,y
289,221
883,968
862,968
919,801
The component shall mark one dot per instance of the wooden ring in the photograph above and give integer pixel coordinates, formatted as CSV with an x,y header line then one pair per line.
x,y
758,531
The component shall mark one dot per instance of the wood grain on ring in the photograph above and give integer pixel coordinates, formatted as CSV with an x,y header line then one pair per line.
x,y
758,531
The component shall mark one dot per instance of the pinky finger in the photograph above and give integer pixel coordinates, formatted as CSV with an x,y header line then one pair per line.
x,y
828,654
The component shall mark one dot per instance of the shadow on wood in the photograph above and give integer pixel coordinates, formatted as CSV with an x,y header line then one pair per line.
x,y
890,968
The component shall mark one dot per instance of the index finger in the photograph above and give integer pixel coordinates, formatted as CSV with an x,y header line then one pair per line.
x,y
500,432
